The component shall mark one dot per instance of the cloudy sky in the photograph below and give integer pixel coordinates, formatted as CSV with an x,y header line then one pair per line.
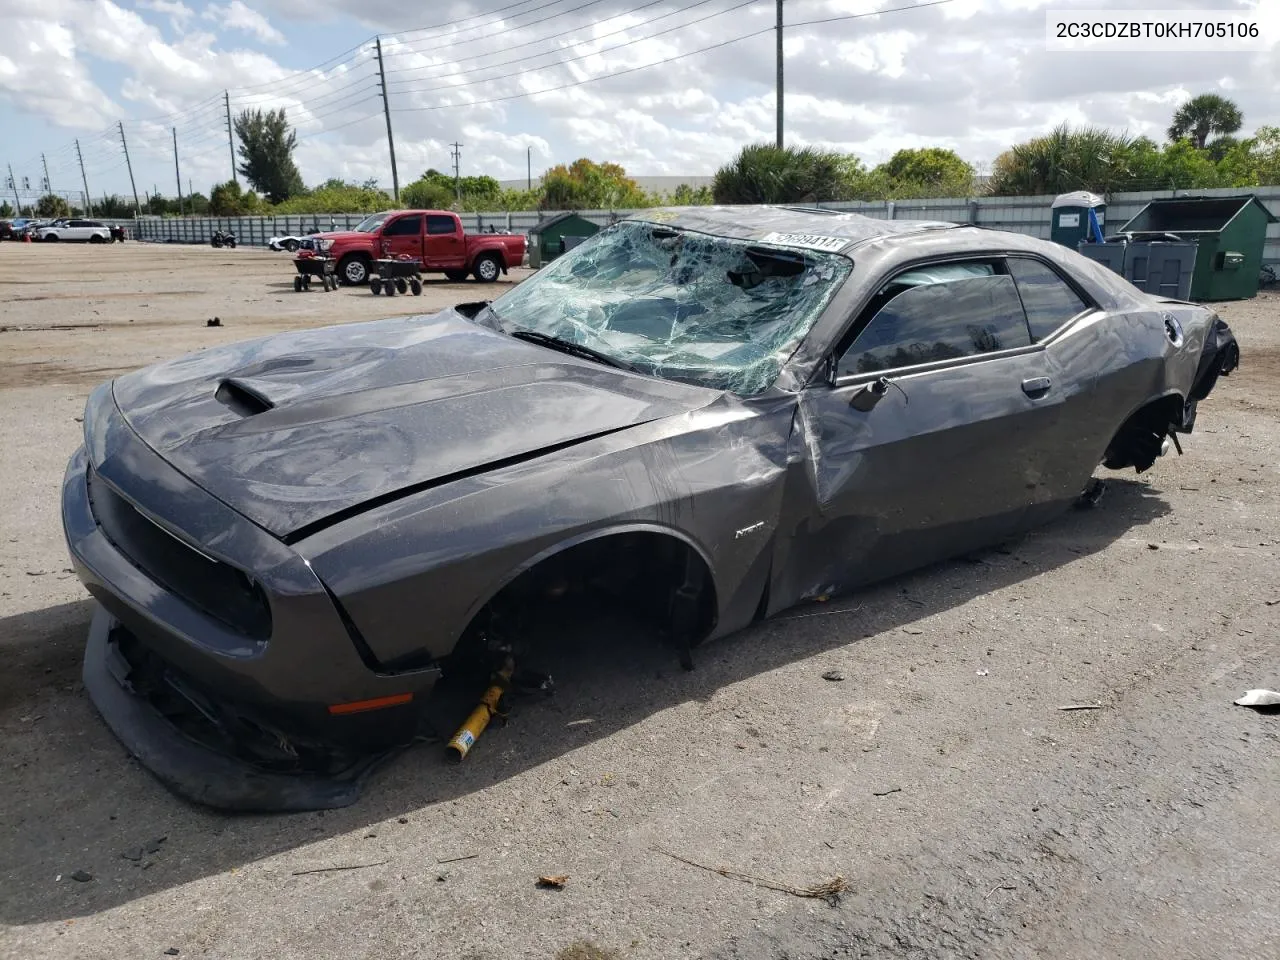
x,y
973,75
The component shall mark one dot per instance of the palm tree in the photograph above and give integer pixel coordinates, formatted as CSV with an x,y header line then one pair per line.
x,y
1203,115
1066,159
764,173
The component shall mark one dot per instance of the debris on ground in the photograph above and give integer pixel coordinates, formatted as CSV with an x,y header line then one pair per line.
x,y
1258,698
983,672
82,876
171,952
349,866
885,793
554,881
213,322
134,854
829,890
1153,546
833,675
467,856
1081,706
1092,494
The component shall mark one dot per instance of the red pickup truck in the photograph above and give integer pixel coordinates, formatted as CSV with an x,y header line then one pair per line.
x,y
435,237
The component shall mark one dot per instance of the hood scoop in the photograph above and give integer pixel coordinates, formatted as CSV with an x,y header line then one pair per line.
x,y
241,398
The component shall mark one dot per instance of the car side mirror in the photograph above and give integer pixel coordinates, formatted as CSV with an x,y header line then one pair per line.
x,y
871,394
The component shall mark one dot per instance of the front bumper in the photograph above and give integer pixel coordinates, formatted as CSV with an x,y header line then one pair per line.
x,y
186,766
265,684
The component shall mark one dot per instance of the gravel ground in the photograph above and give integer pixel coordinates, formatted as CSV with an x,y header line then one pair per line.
x,y
970,816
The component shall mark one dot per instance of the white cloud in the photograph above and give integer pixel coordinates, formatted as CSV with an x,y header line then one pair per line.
x,y
236,16
973,77
179,13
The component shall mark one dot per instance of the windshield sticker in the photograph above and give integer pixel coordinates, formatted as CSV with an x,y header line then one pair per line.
x,y
810,241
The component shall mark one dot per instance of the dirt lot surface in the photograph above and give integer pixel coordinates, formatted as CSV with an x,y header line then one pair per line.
x,y
970,815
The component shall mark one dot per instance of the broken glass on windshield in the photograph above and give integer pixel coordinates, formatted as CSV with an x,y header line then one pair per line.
x,y
681,305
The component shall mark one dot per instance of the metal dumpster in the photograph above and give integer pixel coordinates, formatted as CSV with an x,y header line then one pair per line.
x,y
1229,233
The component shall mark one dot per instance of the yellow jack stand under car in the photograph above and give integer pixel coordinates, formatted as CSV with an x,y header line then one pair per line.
x,y
484,712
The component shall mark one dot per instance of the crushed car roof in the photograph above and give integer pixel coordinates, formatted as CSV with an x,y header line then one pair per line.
x,y
808,227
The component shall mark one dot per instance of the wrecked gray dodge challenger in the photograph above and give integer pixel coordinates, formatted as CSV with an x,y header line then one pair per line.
x,y
712,413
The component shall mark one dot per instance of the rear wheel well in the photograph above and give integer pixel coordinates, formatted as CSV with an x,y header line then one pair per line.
x,y
654,578
1140,439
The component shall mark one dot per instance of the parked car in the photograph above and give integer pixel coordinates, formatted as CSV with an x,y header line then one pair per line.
x,y
21,227
291,242
704,416
72,229
434,236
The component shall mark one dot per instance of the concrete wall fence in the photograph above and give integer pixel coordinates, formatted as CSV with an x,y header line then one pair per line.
x,y
1029,215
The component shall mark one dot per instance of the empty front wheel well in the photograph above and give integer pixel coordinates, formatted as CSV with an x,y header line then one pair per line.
x,y
654,578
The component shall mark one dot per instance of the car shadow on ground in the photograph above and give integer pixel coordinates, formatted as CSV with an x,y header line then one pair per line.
x,y
72,799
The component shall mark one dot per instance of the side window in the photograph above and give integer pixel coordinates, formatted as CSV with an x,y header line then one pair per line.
x,y
938,312
404,227
438,225
1048,300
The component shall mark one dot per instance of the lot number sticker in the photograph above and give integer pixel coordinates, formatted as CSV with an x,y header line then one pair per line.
x,y
810,241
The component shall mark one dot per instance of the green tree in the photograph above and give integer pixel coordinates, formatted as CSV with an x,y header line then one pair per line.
x,y
1183,167
6,211
439,191
926,172
51,205
687,196
335,196
764,173
1201,116
587,185
266,148
229,200
114,207
1089,158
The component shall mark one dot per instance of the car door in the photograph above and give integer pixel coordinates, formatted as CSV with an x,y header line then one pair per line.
x,y
1062,317
929,439
75,230
446,249
403,237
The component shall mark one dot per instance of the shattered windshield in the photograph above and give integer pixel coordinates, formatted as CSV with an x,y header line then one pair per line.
x,y
371,223
677,304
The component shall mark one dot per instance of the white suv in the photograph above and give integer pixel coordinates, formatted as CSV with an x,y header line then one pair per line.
x,y
90,230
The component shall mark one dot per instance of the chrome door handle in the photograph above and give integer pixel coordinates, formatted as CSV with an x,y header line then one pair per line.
x,y
1036,386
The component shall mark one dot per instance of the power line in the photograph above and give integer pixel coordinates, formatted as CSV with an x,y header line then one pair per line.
x,y
672,59
584,56
555,36
453,44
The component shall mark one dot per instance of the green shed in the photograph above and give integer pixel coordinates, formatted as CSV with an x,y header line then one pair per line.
x,y
554,235
1229,233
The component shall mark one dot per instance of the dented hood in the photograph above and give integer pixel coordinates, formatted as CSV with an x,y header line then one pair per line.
x,y
299,429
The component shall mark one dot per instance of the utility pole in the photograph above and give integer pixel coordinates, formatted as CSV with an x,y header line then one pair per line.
x,y
176,172
457,171
48,184
386,110
231,143
14,183
778,94
137,207
88,207
529,169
